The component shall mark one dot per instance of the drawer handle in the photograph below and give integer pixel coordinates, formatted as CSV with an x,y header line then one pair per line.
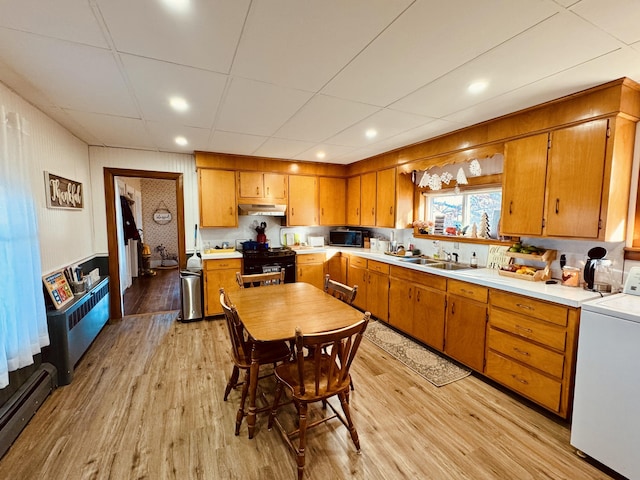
x,y
464,290
521,352
526,307
524,329
268,190
410,294
518,379
257,190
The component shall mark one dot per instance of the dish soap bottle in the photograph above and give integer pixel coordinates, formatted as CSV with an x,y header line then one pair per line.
x,y
474,261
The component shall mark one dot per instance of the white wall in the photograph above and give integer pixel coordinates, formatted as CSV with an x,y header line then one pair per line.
x,y
66,236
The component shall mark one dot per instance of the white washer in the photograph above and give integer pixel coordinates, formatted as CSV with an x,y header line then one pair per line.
x,y
606,417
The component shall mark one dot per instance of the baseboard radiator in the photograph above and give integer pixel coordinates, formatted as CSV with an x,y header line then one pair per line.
x,y
18,410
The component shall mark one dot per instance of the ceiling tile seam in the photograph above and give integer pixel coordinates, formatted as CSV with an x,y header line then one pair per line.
x,y
123,71
50,37
470,60
375,37
223,99
606,32
244,25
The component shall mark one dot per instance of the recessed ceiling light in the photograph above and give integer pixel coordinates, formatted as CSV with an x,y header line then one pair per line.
x,y
179,104
477,87
371,133
181,141
321,155
178,5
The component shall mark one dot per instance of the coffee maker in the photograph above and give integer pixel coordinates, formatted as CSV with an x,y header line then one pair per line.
x,y
597,271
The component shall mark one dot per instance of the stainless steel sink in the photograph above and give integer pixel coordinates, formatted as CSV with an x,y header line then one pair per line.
x,y
448,266
421,260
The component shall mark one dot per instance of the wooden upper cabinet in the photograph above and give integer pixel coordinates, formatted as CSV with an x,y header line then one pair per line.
x,y
302,208
332,194
386,198
259,187
575,174
353,200
217,197
368,199
523,187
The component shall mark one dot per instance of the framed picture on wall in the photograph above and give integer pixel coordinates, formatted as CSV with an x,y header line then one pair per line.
x,y
63,193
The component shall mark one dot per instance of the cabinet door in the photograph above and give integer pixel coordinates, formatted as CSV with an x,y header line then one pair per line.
x,y
337,268
312,273
429,316
251,185
523,185
378,295
401,305
465,331
332,194
213,280
574,180
275,186
386,198
217,189
368,199
358,276
353,200
303,200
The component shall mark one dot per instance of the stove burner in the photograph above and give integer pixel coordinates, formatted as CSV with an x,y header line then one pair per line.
x,y
269,252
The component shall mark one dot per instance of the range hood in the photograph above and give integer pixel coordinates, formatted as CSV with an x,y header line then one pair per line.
x,y
268,209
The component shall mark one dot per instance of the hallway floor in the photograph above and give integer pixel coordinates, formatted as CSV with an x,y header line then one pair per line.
x,y
159,293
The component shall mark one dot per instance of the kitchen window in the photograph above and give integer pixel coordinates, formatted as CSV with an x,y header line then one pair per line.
x,y
465,208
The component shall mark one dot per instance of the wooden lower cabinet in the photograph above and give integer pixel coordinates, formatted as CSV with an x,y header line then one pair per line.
x,y
417,304
357,275
378,289
219,273
337,267
466,323
531,348
310,269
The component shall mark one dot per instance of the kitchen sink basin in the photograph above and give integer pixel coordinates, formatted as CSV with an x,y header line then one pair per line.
x,y
421,260
448,266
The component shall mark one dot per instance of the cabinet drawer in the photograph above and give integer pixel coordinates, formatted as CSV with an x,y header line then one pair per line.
x,y
533,355
546,334
228,263
357,261
468,290
308,258
536,386
528,306
426,279
378,267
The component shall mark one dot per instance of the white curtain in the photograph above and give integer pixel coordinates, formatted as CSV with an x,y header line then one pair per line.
x,y
23,321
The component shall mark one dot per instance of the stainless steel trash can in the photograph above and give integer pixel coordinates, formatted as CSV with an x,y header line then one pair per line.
x,y
191,292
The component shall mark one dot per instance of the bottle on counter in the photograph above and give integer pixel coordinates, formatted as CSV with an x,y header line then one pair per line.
x,y
474,261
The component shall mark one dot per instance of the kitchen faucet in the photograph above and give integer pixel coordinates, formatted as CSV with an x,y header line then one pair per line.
x,y
455,255
447,256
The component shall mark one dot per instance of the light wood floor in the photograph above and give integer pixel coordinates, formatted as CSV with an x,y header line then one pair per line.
x,y
158,293
146,402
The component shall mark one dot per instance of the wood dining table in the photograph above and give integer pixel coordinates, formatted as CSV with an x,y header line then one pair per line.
x,y
272,313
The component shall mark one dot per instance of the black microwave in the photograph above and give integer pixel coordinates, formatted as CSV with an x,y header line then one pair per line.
x,y
347,238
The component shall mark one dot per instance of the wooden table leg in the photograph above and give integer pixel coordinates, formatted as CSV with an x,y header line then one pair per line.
x,y
253,386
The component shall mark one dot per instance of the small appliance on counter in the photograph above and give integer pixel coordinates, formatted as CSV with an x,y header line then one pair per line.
x,y
597,273
262,237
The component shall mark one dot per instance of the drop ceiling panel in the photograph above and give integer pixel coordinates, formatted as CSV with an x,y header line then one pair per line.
x,y
116,131
304,44
203,36
155,82
75,76
324,117
428,40
282,148
386,122
258,108
571,39
238,143
71,20
332,153
621,18
164,135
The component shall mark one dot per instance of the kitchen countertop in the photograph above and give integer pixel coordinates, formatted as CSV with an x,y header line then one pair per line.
x,y
557,293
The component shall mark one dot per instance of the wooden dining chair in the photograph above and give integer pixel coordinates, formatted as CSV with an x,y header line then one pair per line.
x,y
241,351
339,290
316,378
260,279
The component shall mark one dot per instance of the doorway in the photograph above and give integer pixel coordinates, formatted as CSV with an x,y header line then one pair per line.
x,y
110,174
